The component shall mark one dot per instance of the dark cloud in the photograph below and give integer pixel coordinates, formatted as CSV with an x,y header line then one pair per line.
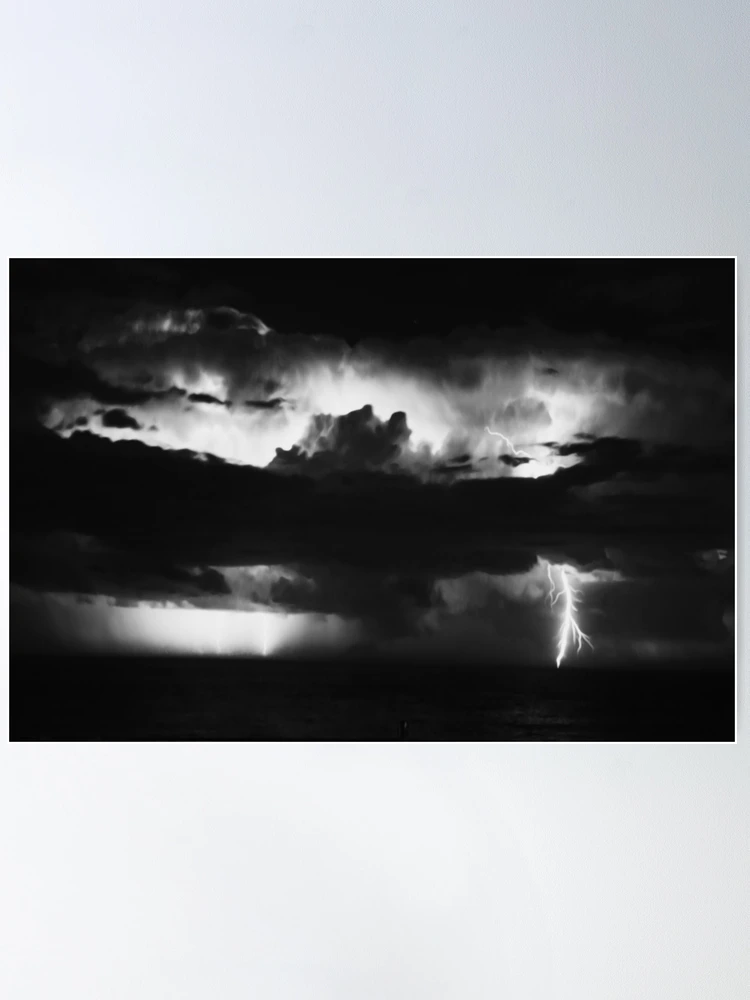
x,y
388,603
688,608
67,562
717,561
119,418
203,397
593,293
34,380
453,469
625,462
212,513
223,318
659,561
265,404
354,442
602,458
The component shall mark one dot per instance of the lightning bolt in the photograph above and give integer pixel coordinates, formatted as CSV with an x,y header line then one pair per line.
x,y
570,630
516,451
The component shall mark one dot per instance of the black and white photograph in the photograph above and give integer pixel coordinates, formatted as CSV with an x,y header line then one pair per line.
x,y
487,499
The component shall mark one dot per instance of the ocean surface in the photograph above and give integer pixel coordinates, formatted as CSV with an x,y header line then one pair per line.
x,y
118,698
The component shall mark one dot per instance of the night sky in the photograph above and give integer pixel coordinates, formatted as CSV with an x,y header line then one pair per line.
x,y
374,459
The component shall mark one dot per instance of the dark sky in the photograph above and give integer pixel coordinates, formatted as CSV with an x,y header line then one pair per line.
x,y
371,456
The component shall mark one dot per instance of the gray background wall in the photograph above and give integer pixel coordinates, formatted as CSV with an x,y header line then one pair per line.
x,y
405,870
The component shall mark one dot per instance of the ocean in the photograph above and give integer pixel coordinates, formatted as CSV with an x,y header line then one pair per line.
x,y
180,698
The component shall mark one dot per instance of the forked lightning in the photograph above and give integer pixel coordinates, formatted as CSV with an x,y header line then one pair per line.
x,y
516,451
570,629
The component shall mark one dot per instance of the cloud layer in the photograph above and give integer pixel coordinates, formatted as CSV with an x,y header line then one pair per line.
x,y
181,450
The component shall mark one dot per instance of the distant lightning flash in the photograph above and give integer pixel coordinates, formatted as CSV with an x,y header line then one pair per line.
x,y
516,451
265,635
570,629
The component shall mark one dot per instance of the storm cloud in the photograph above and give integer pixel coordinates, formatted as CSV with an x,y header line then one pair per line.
x,y
355,441
397,460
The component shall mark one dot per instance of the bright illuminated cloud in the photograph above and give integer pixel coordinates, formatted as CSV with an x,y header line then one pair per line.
x,y
270,389
100,624
231,633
